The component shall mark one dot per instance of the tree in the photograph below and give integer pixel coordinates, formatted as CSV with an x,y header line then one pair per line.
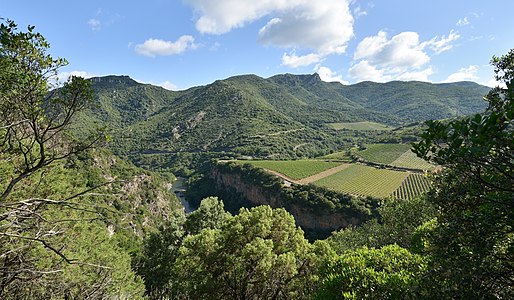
x,y
161,248
34,118
390,272
473,242
257,254
396,224
211,214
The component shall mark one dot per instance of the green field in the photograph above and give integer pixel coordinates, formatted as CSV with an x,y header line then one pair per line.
x,y
410,160
364,181
359,126
412,186
295,169
342,155
383,153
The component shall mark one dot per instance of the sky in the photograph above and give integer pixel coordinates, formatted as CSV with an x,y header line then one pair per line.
x,y
179,44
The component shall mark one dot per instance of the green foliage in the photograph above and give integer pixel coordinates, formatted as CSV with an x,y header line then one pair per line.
x,y
160,251
210,214
390,272
417,101
472,245
257,254
70,216
398,222
295,169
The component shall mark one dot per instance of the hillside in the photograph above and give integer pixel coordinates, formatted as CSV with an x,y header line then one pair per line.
x,y
285,115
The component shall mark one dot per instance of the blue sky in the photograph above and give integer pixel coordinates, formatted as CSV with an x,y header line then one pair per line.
x,y
180,44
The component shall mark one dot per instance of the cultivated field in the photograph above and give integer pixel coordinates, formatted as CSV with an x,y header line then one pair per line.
x,y
383,153
359,126
355,179
410,160
294,169
364,181
412,186
398,155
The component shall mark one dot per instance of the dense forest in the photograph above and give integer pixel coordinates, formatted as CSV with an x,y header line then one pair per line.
x,y
79,220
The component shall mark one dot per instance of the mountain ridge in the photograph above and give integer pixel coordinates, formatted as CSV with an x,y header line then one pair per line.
x,y
264,117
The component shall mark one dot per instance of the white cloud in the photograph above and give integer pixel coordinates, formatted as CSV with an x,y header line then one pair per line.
x,y
294,61
464,74
63,76
359,12
95,24
168,85
154,47
365,71
416,75
325,26
401,51
442,44
494,83
466,20
56,81
328,75
463,22
401,57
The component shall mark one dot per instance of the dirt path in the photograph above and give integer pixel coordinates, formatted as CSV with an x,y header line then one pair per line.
x,y
323,174
283,176
298,146
309,179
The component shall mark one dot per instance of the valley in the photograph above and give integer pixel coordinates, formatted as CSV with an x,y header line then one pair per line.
x,y
286,187
348,139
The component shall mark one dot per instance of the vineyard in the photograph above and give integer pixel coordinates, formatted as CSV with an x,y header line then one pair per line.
x,y
383,153
410,160
357,179
295,169
359,126
364,181
412,186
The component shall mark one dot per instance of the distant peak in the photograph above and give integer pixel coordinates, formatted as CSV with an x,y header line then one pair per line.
x,y
315,77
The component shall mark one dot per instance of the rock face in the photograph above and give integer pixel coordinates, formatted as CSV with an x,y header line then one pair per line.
x,y
315,221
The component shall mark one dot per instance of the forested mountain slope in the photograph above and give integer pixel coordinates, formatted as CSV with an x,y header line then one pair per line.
x,y
251,115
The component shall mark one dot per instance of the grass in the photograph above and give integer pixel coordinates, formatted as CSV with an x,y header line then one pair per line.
x,y
383,153
410,160
359,126
364,181
295,169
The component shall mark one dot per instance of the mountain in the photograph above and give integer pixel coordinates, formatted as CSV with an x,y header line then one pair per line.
x,y
255,116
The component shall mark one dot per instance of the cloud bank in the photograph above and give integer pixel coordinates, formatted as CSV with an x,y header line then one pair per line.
x,y
322,26
401,57
155,47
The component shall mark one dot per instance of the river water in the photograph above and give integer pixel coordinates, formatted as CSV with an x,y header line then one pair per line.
x,y
179,188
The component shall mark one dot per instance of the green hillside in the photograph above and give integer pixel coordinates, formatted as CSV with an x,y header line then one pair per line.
x,y
284,116
417,101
